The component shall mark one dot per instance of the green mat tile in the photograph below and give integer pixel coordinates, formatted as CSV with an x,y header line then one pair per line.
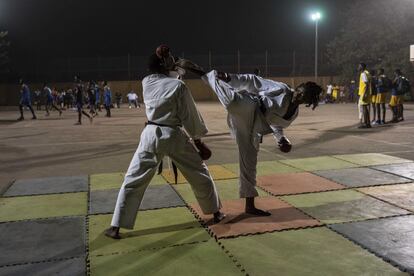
x,y
371,159
318,163
342,206
153,229
205,258
43,206
317,251
106,181
227,189
265,168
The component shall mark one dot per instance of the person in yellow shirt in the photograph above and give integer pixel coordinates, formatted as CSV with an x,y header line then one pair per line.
x,y
335,92
364,94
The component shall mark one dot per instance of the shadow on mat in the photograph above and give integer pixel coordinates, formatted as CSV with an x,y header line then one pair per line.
x,y
279,215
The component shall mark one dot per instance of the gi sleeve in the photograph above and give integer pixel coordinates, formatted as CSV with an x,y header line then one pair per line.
x,y
248,82
189,116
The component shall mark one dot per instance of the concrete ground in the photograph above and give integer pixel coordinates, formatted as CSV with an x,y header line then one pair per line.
x,y
54,146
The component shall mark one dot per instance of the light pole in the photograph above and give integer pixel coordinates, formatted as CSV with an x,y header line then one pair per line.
x,y
316,17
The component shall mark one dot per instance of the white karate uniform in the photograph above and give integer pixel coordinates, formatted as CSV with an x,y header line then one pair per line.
x,y
242,97
168,102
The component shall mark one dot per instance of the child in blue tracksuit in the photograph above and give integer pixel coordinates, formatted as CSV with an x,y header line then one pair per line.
x,y
107,99
50,103
25,100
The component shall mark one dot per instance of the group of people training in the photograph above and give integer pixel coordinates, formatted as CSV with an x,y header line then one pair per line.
x,y
255,107
374,88
89,93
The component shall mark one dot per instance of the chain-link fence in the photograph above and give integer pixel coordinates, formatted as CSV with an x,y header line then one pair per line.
x,y
131,67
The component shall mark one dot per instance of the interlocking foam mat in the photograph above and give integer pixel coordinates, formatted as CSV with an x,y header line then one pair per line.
x,y
405,170
155,197
318,163
227,189
114,181
342,206
359,177
205,258
48,226
72,266
43,239
401,195
217,172
154,229
48,185
265,168
42,206
239,223
371,159
316,251
390,238
295,183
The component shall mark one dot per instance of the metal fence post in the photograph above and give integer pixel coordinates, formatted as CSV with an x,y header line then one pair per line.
x,y
266,65
129,66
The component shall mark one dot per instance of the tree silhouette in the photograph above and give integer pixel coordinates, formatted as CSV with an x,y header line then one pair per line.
x,y
376,32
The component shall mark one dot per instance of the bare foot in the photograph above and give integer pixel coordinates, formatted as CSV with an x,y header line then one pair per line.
x,y
112,232
252,210
219,216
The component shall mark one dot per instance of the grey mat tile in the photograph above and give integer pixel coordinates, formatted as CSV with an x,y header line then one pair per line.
x,y
75,267
155,197
360,177
40,240
390,238
48,185
406,169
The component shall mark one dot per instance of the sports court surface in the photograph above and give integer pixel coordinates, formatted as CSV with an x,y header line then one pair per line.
x,y
342,202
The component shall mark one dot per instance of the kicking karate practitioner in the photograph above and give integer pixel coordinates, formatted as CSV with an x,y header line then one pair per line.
x,y
169,107
25,100
256,107
49,100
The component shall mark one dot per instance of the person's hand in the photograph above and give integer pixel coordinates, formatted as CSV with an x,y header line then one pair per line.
x,y
203,150
223,76
284,145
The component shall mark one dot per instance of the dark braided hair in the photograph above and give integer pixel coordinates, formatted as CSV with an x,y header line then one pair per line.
x,y
311,93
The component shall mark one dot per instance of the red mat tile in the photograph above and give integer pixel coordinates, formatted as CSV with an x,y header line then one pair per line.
x,y
296,183
237,223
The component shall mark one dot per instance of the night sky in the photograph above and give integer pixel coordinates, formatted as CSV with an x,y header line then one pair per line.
x,y
81,28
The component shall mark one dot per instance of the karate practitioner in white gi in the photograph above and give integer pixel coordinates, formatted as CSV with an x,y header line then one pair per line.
x,y
169,108
256,107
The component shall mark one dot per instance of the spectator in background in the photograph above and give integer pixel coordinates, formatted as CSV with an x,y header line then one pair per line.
x,y
335,93
118,99
383,85
25,100
132,99
401,86
97,97
364,95
107,98
37,99
373,96
352,88
50,99
328,98
78,88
